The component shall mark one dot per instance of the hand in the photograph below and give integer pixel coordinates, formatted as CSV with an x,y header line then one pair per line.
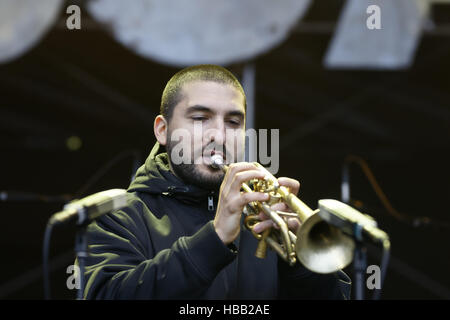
x,y
293,223
232,200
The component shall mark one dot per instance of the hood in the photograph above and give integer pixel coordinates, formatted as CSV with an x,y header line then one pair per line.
x,y
154,177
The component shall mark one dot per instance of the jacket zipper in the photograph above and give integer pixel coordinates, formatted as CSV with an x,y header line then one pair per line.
x,y
210,203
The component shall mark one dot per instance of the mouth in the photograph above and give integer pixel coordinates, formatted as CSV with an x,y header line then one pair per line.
x,y
220,153
208,158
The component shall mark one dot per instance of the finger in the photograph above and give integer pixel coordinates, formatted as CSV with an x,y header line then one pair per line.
x,y
239,166
263,225
231,172
259,166
248,197
263,216
292,184
293,224
280,206
244,176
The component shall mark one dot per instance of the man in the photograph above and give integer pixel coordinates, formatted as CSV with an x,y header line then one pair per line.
x,y
181,234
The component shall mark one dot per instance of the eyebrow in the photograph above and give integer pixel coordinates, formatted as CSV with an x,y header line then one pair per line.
x,y
198,108
201,108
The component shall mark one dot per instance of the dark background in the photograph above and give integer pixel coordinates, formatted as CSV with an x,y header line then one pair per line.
x,y
83,83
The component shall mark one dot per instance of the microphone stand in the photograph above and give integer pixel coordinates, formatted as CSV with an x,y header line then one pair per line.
x,y
360,252
359,266
81,249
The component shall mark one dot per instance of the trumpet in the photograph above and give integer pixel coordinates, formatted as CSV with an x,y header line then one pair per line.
x,y
319,246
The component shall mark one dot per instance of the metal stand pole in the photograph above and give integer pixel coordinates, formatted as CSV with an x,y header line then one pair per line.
x,y
248,84
360,265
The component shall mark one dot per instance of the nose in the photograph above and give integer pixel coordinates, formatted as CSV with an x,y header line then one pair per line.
x,y
216,133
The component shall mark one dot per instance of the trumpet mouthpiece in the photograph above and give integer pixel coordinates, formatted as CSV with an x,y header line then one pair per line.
x,y
217,161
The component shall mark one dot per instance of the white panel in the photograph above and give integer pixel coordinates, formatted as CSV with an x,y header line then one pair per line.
x,y
23,23
186,32
354,45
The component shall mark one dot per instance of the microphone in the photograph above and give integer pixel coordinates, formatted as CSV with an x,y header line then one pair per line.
x,y
91,207
351,221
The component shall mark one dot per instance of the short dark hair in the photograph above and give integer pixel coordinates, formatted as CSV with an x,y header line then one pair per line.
x,y
172,93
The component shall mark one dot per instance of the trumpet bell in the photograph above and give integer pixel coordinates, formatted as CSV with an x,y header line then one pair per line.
x,y
321,247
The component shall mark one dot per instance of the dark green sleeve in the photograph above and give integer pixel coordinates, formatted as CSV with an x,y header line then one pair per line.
x,y
122,264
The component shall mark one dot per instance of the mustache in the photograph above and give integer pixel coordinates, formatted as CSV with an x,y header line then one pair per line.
x,y
214,148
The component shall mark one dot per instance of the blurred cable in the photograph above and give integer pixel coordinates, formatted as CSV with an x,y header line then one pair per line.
x,y
106,167
22,196
402,217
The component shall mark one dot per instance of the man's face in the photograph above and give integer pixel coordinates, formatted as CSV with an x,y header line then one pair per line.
x,y
210,119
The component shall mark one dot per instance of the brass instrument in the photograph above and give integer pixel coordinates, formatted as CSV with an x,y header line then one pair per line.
x,y
319,246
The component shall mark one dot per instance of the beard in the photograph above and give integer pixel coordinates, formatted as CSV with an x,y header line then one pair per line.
x,y
191,173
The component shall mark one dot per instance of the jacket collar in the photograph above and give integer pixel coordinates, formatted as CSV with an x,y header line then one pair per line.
x,y
155,177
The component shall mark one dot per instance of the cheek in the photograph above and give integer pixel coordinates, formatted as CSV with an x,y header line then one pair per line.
x,y
236,143
237,138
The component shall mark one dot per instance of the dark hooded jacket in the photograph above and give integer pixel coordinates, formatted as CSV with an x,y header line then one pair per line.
x,y
163,245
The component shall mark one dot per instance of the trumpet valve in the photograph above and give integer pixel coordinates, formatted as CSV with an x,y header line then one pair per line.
x,y
273,198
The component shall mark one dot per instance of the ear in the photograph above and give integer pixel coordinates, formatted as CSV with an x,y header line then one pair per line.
x,y
160,127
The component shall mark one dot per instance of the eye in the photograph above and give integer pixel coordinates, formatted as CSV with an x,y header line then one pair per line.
x,y
198,118
234,122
